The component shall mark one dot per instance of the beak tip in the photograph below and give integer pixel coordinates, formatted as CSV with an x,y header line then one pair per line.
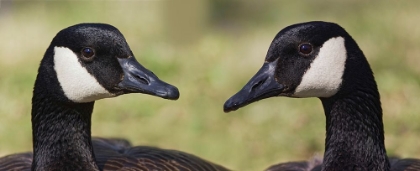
x,y
172,93
229,106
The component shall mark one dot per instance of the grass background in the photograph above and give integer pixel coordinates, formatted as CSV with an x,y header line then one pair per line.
x,y
209,50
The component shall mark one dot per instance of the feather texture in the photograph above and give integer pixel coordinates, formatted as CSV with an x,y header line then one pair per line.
x,y
118,154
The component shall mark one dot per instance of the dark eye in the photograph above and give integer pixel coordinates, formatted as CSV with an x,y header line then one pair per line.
x,y
305,48
88,52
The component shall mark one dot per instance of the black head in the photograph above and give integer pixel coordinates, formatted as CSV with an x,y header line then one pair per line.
x,y
87,62
304,60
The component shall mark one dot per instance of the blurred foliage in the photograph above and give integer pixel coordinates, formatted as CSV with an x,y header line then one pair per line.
x,y
209,50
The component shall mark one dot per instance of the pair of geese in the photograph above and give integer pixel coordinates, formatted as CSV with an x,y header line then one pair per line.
x,y
88,62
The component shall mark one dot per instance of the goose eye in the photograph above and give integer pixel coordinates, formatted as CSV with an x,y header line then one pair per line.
x,y
88,52
305,48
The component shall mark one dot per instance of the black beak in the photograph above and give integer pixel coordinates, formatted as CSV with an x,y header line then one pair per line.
x,y
138,79
263,85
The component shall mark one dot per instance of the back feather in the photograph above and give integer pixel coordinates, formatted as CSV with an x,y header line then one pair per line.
x,y
407,164
315,164
117,154
16,162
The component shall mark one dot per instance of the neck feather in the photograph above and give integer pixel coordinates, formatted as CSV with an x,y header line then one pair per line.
x,y
355,133
61,134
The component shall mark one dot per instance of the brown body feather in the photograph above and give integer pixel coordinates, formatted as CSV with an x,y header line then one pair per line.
x,y
16,162
118,154
315,164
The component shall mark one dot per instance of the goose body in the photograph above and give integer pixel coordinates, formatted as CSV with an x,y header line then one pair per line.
x,y
320,59
85,63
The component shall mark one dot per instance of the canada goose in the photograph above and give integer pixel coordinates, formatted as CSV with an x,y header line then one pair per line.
x,y
84,63
320,59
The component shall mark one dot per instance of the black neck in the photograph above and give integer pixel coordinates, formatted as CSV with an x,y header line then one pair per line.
x,y
355,134
61,134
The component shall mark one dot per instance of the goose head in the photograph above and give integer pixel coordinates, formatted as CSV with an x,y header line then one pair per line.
x,y
88,62
313,59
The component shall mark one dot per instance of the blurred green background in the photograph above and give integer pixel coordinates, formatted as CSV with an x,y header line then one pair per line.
x,y
209,50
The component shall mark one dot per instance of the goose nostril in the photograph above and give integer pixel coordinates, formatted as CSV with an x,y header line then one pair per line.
x,y
141,79
256,85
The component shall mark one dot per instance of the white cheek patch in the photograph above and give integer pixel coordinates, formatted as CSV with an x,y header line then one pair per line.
x,y
77,83
324,77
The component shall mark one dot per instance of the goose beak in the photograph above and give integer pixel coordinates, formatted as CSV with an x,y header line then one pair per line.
x,y
138,79
263,85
